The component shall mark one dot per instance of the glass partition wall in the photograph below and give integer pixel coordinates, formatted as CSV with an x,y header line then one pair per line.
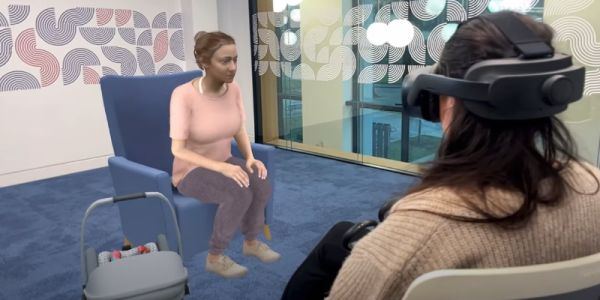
x,y
328,73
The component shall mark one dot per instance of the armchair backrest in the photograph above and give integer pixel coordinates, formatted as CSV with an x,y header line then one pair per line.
x,y
137,111
573,279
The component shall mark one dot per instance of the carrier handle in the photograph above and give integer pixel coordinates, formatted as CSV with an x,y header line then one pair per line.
x,y
112,200
128,197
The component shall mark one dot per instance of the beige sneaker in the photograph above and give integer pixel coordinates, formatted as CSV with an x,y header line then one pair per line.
x,y
226,267
262,251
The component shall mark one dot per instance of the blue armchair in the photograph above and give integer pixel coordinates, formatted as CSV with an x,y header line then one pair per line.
x,y
137,111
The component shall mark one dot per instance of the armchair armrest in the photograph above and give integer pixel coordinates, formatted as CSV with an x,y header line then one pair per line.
x,y
265,153
141,221
261,152
131,177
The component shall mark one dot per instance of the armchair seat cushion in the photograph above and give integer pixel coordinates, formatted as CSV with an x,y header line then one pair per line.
x,y
196,219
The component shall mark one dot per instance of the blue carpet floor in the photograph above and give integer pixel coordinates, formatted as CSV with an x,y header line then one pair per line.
x,y
40,223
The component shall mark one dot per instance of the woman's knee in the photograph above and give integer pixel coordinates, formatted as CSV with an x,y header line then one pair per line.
x,y
262,188
242,194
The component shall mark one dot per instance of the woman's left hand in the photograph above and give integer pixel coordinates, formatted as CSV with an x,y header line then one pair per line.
x,y
260,167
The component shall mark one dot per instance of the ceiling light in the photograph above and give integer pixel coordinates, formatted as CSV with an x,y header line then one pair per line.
x,y
448,31
401,33
295,15
279,5
377,33
435,7
289,38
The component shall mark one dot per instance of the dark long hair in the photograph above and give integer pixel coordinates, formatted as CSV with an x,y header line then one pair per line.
x,y
477,154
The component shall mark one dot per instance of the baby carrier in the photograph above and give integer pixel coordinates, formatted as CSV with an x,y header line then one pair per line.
x,y
149,271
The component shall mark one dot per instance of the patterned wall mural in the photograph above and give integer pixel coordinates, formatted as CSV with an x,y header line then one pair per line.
x,y
326,49
98,41
577,30
279,42
574,28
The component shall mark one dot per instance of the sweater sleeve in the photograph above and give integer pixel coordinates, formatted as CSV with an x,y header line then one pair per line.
x,y
381,264
359,278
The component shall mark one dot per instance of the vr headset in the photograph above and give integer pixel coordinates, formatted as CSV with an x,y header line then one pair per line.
x,y
538,83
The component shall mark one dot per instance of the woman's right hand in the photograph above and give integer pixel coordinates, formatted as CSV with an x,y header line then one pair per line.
x,y
236,173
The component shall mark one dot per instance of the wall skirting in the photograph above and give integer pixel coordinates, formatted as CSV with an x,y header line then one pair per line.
x,y
45,172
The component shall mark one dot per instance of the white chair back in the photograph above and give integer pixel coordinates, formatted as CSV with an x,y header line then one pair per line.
x,y
573,279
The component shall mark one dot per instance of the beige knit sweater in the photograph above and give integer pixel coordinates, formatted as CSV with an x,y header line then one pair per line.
x,y
410,243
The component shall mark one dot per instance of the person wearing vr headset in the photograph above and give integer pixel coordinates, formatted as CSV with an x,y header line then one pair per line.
x,y
506,188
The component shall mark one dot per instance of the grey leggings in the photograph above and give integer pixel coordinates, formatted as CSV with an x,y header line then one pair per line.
x,y
238,207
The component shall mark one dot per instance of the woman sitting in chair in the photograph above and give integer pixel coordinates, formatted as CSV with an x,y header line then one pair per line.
x,y
506,188
206,113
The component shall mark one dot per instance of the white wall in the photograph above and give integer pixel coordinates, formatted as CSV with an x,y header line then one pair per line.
x,y
197,16
61,128
234,20
231,17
